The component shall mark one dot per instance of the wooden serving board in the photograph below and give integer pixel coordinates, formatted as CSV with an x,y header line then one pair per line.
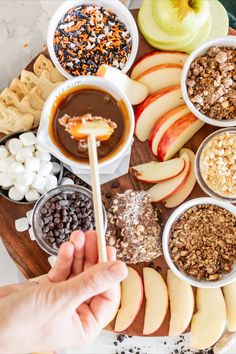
x,y
32,261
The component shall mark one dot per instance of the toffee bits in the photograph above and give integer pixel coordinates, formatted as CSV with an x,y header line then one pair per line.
x,y
63,214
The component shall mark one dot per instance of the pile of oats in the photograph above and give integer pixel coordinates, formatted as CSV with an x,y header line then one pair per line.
x,y
133,227
203,242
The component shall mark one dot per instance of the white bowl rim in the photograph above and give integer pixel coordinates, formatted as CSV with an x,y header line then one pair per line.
x,y
66,5
228,278
219,41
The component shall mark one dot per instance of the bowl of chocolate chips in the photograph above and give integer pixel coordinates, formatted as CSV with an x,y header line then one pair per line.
x,y
61,211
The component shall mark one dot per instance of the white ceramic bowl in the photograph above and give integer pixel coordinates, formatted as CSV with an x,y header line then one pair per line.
x,y
114,5
226,278
44,137
229,41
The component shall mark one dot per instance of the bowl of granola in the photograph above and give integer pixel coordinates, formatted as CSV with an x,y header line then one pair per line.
x,y
209,82
199,242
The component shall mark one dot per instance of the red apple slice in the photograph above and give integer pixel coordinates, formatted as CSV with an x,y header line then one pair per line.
x,y
131,300
165,189
161,76
154,172
177,135
156,300
163,124
178,198
149,111
155,58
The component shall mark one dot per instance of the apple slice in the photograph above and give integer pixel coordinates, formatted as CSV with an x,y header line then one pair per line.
x,y
148,112
230,300
181,307
209,321
178,198
163,190
161,76
131,300
154,172
163,123
220,20
177,135
155,58
156,300
135,91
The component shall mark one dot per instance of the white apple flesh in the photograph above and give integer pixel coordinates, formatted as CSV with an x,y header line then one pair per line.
x,y
131,300
156,295
181,304
230,300
135,91
161,76
208,323
154,172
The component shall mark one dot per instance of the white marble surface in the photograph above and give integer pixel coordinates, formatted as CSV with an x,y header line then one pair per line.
x,y
23,27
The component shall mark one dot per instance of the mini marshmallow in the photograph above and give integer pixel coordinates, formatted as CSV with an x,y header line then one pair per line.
x,y
52,260
31,234
14,146
26,178
5,181
5,163
56,168
3,152
23,154
40,148
28,139
32,195
32,163
45,168
22,188
29,215
15,169
66,180
39,182
43,156
14,194
21,224
51,182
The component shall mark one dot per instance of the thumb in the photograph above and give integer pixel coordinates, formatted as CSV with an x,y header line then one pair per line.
x,y
94,281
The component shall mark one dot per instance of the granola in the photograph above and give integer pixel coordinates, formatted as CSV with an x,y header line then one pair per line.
x,y
203,242
133,227
211,83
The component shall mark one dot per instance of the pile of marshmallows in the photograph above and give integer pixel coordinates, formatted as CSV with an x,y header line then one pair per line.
x,y
26,170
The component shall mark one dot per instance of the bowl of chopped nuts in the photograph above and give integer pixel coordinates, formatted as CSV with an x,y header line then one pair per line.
x,y
83,35
208,82
215,165
199,242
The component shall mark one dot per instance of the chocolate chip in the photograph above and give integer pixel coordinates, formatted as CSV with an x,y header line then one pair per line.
x,y
115,184
108,195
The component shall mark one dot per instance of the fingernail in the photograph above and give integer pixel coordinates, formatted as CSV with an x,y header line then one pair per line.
x,y
118,270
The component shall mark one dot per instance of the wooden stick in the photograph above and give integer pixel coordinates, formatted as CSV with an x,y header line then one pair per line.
x,y
97,200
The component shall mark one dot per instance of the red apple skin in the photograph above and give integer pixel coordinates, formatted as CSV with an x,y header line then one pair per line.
x,y
159,123
172,132
159,67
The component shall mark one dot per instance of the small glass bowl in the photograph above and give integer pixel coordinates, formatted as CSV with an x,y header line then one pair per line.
x,y
43,200
198,174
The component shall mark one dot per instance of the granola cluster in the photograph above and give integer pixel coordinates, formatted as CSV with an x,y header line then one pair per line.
x,y
133,227
218,164
211,83
203,242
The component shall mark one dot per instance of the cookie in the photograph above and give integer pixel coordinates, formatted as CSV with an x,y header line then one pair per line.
x,y
19,88
43,63
35,99
12,120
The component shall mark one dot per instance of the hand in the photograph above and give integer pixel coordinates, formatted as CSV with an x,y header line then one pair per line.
x,y
52,316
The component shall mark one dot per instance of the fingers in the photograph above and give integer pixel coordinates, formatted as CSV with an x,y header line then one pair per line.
x,y
78,240
91,249
94,281
62,268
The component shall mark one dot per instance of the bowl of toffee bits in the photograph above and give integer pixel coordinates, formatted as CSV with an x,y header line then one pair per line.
x,y
85,34
60,212
209,82
199,242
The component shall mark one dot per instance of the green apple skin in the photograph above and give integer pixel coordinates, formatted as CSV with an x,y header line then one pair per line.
x,y
220,20
178,17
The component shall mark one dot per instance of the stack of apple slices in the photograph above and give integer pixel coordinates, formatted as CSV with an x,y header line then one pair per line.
x,y
175,179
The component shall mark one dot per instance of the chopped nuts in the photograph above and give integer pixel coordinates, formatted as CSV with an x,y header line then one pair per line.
x,y
218,164
203,242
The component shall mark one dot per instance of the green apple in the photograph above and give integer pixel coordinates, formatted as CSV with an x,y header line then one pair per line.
x,y
178,17
152,32
220,20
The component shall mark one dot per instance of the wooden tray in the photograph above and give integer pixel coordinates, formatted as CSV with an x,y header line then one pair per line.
x,y
32,261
